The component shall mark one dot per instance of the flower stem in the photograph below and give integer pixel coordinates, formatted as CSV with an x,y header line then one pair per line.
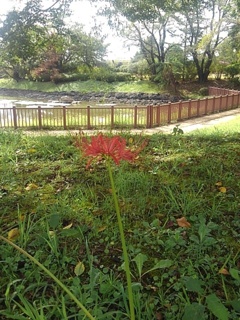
x,y
124,247
59,282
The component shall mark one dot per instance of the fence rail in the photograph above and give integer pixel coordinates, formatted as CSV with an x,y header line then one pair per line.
x,y
70,117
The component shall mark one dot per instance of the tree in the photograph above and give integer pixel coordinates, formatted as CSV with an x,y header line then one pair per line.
x,y
36,43
84,48
225,55
68,53
234,32
200,26
18,45
143,24
151,39
205,24
24,35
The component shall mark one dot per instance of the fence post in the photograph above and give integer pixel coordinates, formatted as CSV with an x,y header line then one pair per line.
x,y
14,117
232,100
39,117
189,108
149,116
220,103
213,107
211,91
88,118
135,117
169,112
206,106
198,107
112,117
64,118
227,102
180,110
158,115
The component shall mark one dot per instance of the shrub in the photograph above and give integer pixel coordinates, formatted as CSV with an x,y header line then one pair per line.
x,y
203,91
72,77
232,70
123,76
235,81
101,74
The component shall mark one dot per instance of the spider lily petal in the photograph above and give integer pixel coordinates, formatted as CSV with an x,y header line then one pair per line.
x,y
101,146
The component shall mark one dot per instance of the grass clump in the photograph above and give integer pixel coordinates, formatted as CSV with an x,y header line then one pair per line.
x,y
179,203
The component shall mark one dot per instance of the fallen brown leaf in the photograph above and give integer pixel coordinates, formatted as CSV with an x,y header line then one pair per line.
x,y
182,222
223,271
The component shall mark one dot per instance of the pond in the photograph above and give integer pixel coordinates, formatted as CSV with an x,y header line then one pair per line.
x,y
20,113
11,102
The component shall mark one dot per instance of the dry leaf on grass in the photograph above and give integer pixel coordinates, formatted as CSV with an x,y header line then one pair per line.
x,y
222,189
31,186
223,271
13,234
182,222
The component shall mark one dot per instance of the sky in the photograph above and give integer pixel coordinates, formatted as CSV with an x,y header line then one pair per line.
x,y
83,13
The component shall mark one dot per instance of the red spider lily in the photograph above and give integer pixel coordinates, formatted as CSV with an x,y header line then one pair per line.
x,y
101,146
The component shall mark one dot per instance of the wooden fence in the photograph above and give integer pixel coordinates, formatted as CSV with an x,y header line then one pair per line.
x,y
71,117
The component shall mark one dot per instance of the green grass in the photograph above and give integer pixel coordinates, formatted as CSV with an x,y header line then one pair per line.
x,y
84,86
64,214
231,126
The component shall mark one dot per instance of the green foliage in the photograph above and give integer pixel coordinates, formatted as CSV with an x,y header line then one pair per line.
x,y
36,44
190,71
24,37
177,131
65,78
107,75
217,308
195,29
123,77
232,70
83,49
236,82
139,68
194,311
203,91
225,55
44,48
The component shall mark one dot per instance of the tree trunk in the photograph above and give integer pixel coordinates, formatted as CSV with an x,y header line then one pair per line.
x,y
203,68
16,75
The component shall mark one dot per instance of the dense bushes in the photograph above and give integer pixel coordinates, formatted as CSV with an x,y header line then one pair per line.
x,y
98,74
101,74
232,70
72,77
203,91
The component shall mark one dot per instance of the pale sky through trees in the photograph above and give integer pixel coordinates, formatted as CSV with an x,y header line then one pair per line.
x,y
83,13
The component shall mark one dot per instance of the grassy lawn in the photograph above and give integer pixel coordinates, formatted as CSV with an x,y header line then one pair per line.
x,y
186,89
224,129
179,203
83,86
